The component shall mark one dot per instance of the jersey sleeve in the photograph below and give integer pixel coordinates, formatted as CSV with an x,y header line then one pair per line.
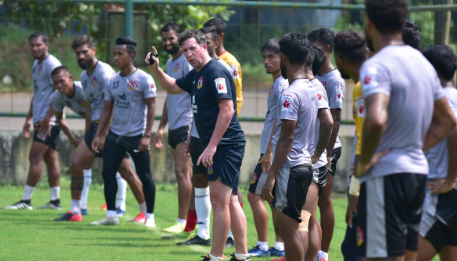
x,y
149,88
358,115
58,103
335,93
53,63
107,90
185,82
375,79
322,98
289,106
220,85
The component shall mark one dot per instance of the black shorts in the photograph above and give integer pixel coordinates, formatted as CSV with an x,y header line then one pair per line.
x,y
179,135
439,220
52,141
291,187
320,177
90,136
336,154
196,149
227,164
349,245
390,209
258,179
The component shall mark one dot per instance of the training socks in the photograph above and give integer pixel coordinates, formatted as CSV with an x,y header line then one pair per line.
x,y
55,193
85,192
191,221
76,206
28,192
121,192
203,210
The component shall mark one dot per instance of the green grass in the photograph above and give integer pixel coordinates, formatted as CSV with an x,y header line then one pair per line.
x,y
32,235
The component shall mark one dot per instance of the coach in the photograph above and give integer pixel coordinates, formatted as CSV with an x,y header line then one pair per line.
x,y
213,94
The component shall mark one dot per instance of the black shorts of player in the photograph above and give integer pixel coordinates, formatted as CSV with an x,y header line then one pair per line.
x,y
90,136
258,179
227,164
52,141
440,229
196,149
179,135
336,154
290,189
320,177
349,245
390,209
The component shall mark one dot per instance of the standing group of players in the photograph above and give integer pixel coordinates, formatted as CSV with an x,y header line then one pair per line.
x,y
404,107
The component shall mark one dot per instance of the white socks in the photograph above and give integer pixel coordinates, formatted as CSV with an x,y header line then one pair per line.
x,y
55,193
263,245
76,206
323,255
149,215
28,192
121,192
181,221
85,192
214,258
203,209
143,208
279,246
111,214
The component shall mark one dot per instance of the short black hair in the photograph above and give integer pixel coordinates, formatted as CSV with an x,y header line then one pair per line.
x,y
351,45
296,47
39,34
171,26
271,45
319,58
209,30
60,69
443,58
128,42
388,16
217,23
411,34
81,40
192,33
322,35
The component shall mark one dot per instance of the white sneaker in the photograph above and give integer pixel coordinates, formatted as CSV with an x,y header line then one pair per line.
x,y
20,205
108,221
150,222
51,205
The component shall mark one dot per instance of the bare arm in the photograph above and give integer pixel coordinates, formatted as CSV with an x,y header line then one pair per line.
x,y
373,129
286,138
167,82
226,111
325,131
336,115
267,158
28,121
443,122
151,109
44,128
103,126
64,126
163,122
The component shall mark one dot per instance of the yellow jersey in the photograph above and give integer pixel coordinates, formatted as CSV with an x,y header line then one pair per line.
x,y
358,114
237,77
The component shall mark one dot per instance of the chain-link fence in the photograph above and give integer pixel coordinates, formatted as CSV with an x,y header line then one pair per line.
x,y
248,27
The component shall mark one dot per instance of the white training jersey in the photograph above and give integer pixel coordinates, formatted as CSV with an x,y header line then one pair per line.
x,y
77,102
42,87
437,157
299,103
334,85
323,104
411,82
129,94
179,106
94,86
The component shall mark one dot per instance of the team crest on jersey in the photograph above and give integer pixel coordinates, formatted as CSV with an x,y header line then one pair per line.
x,y
254,178
210,170
272,89
369,78
132,85
93,82
40,70
81,103
360,236
152,86
177,67
220,85
200,83
325,85
360,105
235,71
287,102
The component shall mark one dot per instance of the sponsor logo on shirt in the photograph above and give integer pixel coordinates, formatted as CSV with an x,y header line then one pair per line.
x,y
287,103
40,70
369,77
177,67
254,178
235,71
85,84
200,83
93,82
122,101
152,86
132,85
220,85
194,106
81,103
360,105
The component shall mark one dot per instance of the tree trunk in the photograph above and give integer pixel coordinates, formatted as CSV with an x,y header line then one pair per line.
x,y
442,23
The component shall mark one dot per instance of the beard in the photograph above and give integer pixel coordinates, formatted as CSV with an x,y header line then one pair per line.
x,y
173,50
283,70
87,64
344,75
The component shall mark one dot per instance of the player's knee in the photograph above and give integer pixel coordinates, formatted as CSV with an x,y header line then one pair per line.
x,y
199,181
254,198
182,172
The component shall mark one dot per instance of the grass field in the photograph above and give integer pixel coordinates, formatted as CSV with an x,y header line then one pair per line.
x,y
32,235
